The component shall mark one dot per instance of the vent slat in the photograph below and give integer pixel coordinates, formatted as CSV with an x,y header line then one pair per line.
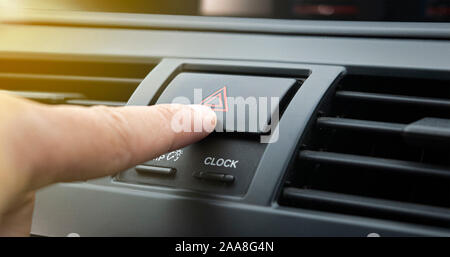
x,y
360,125
50,97
38,78
388,98
62,98
70,66
411,168
335,201
70,81
429,132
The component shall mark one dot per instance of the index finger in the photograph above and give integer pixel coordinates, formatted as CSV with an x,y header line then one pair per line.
x,y
69,143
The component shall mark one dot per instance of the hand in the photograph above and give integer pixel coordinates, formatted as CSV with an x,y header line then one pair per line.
x,y
41,145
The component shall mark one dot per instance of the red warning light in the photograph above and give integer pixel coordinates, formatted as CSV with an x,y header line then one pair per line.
x,y
217,100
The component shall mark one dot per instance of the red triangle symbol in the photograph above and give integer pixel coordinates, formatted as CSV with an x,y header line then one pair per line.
x,y
217,100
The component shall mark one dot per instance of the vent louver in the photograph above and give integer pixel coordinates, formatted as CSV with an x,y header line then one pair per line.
x,y
72,82
377,147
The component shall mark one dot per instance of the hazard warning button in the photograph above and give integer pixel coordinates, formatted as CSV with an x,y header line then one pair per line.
x,y
242,103
217,100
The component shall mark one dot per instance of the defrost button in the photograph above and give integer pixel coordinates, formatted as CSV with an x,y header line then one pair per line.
x,y
154,170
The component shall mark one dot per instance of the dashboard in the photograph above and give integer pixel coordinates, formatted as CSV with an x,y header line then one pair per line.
x,y
359,146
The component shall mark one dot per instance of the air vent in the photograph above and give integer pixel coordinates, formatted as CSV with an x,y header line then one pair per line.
x,y
72,82
377,147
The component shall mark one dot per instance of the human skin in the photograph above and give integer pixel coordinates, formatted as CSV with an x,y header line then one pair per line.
x,y
41,145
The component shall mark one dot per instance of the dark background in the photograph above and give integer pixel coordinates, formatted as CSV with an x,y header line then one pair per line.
x,y
357,10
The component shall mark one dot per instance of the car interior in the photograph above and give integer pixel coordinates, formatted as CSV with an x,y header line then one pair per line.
x,y
362,143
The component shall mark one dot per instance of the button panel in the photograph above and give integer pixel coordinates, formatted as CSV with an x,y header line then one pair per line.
x,y
222,164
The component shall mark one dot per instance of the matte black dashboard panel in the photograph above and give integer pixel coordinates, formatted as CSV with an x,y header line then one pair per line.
x,y
269,171
91,210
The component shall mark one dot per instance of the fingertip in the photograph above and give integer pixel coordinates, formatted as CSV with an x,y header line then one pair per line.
x,y
208,117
